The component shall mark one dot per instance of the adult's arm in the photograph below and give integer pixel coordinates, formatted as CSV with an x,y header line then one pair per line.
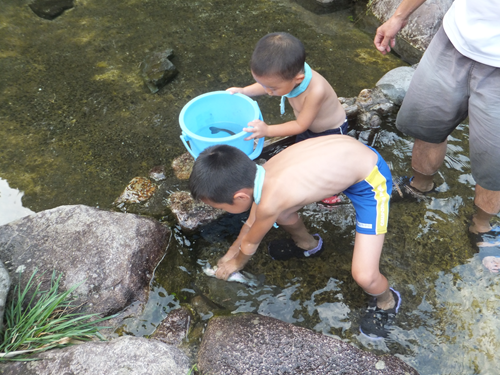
x,y
385,38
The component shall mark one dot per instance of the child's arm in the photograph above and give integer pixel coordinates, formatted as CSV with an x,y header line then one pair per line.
x,y
251,234
310,109
251,90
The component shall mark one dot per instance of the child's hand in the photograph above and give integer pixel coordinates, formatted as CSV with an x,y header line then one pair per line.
x,y
258,129
234,90
224,270
231,253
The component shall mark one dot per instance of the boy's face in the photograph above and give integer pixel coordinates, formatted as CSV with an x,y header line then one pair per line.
x,y
277,86
492,263
240,204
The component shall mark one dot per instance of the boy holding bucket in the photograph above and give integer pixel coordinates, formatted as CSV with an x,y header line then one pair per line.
x,y
224,177
279,69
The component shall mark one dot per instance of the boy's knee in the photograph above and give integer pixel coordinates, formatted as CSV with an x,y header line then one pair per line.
x,y
365,279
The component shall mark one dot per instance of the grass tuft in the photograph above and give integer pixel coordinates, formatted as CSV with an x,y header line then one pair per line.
x,y
44,322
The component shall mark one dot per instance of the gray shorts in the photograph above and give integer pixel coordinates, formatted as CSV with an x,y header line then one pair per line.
x,y
445,89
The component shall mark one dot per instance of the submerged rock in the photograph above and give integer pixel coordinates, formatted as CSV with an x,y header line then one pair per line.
x,y
256,344
324,6
158,70
183,165
50,9
138,190
174,329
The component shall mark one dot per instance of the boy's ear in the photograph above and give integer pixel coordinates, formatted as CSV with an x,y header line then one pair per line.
x,y
299,78
242,194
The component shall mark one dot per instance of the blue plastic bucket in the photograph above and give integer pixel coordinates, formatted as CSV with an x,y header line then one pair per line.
x,y
219,118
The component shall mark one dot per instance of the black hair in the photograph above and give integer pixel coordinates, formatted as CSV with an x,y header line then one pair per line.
x,y
219,172
278,54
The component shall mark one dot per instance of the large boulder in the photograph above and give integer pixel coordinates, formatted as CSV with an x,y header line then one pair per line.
x,y
414,38
112,254
395,83
255,344
4,291
125,355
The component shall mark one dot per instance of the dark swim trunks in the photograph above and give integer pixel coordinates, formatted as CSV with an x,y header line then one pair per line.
x,y
342,129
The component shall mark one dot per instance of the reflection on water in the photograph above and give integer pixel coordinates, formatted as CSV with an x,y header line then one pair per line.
x,y
76,127
11,207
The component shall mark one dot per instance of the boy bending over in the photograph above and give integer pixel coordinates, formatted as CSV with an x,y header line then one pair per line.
x,y
279,69
306,172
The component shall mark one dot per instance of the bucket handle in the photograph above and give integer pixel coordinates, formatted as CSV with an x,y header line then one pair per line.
x,y
258,149
185,139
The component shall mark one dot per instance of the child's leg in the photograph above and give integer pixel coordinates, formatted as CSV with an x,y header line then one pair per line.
x,y
294,225
365,268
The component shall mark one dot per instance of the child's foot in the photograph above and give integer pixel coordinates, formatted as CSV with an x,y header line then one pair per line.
x,y
332,200
285,249
402,190
376,322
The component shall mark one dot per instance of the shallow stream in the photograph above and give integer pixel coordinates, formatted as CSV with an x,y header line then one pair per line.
x,y
77,124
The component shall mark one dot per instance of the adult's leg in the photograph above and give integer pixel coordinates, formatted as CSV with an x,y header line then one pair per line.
x,y
365,268
484,128
487,206
427,158
294,225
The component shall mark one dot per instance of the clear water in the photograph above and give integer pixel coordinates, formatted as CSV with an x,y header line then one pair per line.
x,y
219,130
76,127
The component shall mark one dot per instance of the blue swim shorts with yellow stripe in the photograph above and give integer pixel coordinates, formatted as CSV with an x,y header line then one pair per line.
x,y
370,199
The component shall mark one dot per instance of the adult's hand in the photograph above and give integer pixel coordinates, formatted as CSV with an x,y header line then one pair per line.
x,y
385,38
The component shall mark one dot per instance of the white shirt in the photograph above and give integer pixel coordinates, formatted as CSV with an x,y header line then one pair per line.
x,y
473,27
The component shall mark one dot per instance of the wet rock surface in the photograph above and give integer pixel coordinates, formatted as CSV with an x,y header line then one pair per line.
x,y
113,254
183,165
191,214
50,9
125,355
158,70
255,344
4,290
395,83
174,329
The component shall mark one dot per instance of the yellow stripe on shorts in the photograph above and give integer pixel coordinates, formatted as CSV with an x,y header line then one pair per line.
x,y
379,186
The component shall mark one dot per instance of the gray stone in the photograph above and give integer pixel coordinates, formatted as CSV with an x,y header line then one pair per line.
x,y
158,70
174,329
4,291
112,254
394,84
255,344
50,9
125,355
191,214
373,107
183,166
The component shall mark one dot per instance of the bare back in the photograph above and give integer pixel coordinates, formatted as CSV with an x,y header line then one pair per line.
x,y
331,114
312,170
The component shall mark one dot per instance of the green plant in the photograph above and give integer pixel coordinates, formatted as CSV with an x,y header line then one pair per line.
x,y
194,368
45,321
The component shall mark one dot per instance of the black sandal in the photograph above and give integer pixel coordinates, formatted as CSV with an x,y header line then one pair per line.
x,y
402,190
